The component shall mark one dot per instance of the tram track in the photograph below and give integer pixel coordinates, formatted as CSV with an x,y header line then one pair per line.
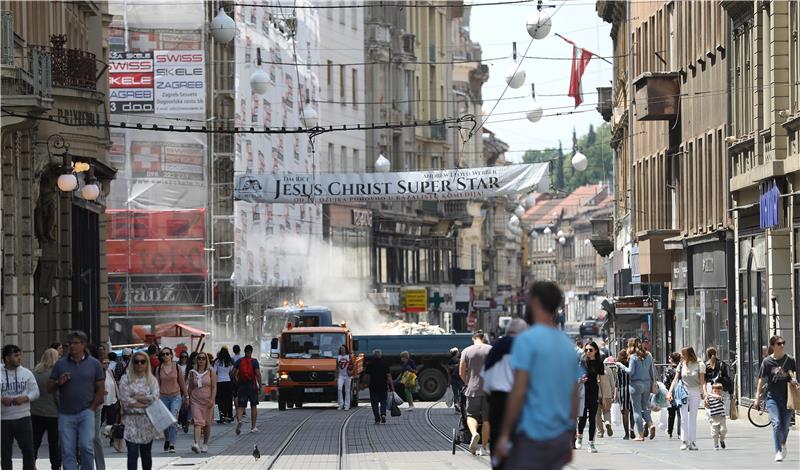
x,y
449,437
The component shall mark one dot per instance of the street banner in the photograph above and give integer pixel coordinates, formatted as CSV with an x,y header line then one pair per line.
x,y
466,183
180,82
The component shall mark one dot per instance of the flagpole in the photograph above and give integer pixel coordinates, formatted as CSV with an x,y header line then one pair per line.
x,y
587,50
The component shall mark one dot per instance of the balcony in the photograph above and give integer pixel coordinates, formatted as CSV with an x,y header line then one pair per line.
x,y
72,68
438,132
657,96
604,103
26,84
602,235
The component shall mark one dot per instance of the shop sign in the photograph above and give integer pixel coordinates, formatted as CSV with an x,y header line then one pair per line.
x,y
362,218
769,205
481,304
634,306
414,299
153,291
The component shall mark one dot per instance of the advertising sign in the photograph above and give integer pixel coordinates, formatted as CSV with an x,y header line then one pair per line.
x,y
130,79
467,183
414,299
180,82
156,256
149,291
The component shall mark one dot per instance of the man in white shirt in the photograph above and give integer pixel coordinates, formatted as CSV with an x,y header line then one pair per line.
x,y
18,389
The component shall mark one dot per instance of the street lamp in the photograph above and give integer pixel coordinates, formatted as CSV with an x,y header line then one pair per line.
x,y
539,23
515,74
310,116
67,181
560,233
547,231
519,211
562,240
222,27
259,80
90,191
530,201
382,164
579,161
535,112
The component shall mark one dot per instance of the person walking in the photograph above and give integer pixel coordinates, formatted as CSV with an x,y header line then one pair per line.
x,y
473,359
498,378
248,376
608,394
223,366
18,389
691,373
624,395
202,392
184,362
110,411
456,384
716,415
122,364
344,364
79,380
237,353
642,378
407,378
379,380
99,456
172,391
138,389
44,411
674,408
593,368
778,372
542,405
717,371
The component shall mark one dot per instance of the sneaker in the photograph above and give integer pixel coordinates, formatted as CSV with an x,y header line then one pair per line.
x,y
779,456
626,437
652,431
166,446
377,421
716,445
722,444
238,427
592,448
783,451
482,452
383,419
254,430
693,446
646,430
609,431
410,407
579,442
684,446
195,448
473,443
633,435
172,448
204,449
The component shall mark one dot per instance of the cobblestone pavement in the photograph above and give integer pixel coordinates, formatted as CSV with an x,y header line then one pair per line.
x,y
311,438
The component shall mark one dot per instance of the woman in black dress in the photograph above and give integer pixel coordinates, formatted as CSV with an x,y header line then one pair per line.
x,y
593,366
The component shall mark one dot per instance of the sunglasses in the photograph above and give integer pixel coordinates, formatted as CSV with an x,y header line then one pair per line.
x,y
184,357
589,350
140,361
780,343
201,358
166,354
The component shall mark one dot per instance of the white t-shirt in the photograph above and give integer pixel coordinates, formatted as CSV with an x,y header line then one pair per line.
x,y
223,371
690,373
342,363
111,389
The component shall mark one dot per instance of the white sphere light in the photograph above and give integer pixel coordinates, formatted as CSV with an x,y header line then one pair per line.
x,y
547,231
259,81
579,161
534,233
560,233
530,201
535,113
538,24
310,117
90,192
519,211
562,240
222,27
513,221
587,242
67,182
515,75
382,164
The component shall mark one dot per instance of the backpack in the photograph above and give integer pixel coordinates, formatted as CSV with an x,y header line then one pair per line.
x,y
247,372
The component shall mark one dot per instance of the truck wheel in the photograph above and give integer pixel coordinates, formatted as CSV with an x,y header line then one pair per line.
x,y
432,384
281,404
298,404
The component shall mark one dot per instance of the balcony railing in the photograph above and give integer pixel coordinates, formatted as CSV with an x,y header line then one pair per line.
x,y
73,68
438,132
7,53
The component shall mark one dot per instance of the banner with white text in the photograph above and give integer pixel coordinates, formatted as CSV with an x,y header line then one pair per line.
x,y
465,183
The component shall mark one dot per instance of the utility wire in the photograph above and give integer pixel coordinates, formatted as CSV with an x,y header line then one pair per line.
x,y
410,4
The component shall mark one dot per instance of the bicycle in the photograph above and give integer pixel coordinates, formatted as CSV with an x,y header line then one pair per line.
x,y
758,416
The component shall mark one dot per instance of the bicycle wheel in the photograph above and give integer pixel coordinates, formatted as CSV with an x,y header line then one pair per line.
x,y
758,416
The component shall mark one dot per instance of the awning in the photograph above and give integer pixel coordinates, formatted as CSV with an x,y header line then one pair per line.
x,y
178,329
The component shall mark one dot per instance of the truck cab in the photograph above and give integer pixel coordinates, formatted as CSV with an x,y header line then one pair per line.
x,y
307,369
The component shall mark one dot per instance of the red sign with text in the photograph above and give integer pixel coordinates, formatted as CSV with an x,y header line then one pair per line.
x,y
156,256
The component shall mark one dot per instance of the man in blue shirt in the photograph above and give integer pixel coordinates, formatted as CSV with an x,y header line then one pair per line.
x,y
542,405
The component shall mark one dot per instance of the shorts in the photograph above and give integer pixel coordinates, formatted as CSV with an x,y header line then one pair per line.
x,y
245,393
478,407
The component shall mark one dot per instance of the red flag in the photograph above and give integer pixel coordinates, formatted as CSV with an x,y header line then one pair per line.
x,y
580,60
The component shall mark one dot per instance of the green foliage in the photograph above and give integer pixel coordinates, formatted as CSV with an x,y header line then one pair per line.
x,y
594,144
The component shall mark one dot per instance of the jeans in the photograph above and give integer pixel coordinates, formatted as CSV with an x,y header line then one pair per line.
x,y
42,424
21,430
145,450
343,381
76,433
99,458
173,404
781,419
589,412
640,399
689,416
378,398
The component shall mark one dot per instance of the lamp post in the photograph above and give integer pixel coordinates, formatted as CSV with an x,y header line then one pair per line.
x,y
382,164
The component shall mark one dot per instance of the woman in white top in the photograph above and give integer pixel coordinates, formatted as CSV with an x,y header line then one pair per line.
x,y
222,366
692,374
344,364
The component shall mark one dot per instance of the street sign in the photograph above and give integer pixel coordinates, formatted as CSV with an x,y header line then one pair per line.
x,y
414,299
481,304
634,306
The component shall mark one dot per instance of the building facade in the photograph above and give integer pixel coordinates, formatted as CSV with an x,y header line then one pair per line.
x,y
53,242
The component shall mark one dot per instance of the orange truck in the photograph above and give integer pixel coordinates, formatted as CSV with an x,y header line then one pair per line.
x,y
307,369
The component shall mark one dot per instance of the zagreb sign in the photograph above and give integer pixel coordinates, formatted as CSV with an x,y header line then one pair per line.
x,y
466,183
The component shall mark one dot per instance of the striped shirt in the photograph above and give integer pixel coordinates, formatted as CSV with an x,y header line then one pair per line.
x,y
715,406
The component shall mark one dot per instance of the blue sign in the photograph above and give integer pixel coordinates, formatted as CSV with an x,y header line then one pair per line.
x,y
769,202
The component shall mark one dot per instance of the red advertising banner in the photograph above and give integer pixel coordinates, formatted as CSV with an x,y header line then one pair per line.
x,y
156,256
186,224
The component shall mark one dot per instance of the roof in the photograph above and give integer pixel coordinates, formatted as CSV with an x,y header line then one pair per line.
x,y
317,329
582,199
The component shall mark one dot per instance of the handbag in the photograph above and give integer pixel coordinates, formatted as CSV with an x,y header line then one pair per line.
x,y
448,397
792,396
734,409
160,415
117,431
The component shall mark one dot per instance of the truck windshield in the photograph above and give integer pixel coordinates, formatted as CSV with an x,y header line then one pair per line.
x,y
312,345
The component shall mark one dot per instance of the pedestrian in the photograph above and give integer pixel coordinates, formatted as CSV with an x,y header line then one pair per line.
x,y
18,389
172,392
110,410
691,373
380,380
624,395
248,376
202,393
98,352
152,353
223,365
716,415
593,368
717,371
184,362
138,389
498,378
608,394
122,364
59,348
345,366
44,411
456,384
473,359
237,353
778,371
641,371
79,380
674,408
543,400
407,378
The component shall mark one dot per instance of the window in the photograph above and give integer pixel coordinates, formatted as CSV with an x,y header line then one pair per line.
x,y
342,12
330,157
343,159
473,256
341,82
436,163
357,165
329,79
354,18
353,91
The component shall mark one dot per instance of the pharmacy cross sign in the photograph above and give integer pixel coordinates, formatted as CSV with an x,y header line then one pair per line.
x,y
435,300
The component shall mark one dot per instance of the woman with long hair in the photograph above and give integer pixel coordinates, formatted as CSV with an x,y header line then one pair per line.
x,y
592,365
642,377
138,389
202,392
624,395
717,371
778,372
222,366
344,364
691,373
44,410
173,391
